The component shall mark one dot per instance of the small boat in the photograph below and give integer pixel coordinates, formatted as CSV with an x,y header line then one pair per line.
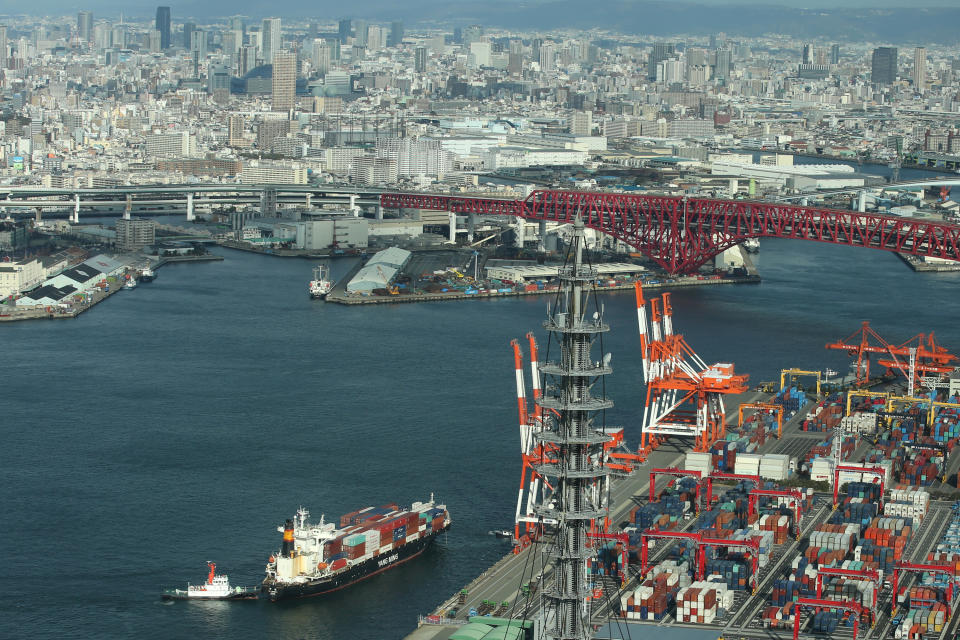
x,y
130,283
147,274
752,245
501,533
321,284
215,588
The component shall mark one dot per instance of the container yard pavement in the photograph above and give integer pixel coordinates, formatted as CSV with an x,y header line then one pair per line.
x,y
502,581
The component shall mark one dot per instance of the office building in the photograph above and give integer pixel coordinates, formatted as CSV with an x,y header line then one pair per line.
x,y
920,69
235,130
198,43
247,59
163,26
548,58
271,39
360,33
396,33
321,56
835,54
3,46
188,29
661,51
721,70
284,81
420,59
884,65
344,30
85,25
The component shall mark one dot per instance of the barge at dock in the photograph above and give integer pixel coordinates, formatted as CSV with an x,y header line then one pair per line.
x,y
319,558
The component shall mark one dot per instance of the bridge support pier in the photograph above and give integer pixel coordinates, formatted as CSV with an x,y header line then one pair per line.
x,y
542,241
471,226
378,212
308,201
453,227
804,202
520,239
129,207
190,215
75,218
39,217
862,201
734,186
354,209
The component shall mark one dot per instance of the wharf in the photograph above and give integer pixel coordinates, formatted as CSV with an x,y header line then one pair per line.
x,y
502,581
285,253
98,295
341,296
920,266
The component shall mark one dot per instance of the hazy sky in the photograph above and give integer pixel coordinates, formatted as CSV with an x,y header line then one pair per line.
x,y
256,8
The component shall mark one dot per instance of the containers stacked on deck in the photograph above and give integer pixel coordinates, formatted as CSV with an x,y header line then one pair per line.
x,y
791,399
703,602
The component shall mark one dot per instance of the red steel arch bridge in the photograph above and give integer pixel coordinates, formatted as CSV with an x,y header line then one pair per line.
x,y
682,233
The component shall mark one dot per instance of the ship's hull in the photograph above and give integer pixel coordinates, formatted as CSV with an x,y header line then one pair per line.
x,y
146,278
368,568
180,594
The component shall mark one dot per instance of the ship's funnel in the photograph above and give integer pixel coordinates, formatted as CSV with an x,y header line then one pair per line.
x,y
287,549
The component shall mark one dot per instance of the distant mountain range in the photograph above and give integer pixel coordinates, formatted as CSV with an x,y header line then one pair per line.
x,y
891,21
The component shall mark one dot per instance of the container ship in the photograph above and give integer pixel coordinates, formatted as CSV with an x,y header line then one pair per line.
x,y
319,558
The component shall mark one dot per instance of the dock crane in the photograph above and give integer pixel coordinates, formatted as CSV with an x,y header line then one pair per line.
x,y
684,395
917,355
794,496
795,373
878,472
818,604
914,567
717,475
866,575
676,473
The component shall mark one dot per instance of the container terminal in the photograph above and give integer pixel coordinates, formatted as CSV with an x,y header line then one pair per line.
x,y
813,508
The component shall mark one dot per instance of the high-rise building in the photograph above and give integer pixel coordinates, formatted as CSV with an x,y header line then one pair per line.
x,y
85,25
247,60
344,30
236,24
3,46
807,57
548,57
135,233
360,33
235,130
199,43
272,39
188,29
321,56
835,54
420,59
284,81
884,65
920,69
163,26
721,70
396,33
661,51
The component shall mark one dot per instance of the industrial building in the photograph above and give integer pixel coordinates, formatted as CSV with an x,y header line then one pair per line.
x,y
379,271
520,273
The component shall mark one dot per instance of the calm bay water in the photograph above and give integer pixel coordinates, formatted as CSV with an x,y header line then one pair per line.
x,y
184,420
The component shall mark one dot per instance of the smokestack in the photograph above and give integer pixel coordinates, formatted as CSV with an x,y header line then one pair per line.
x,y
287,549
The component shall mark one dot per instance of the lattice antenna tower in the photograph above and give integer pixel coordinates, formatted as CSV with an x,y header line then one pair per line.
x,y
578,464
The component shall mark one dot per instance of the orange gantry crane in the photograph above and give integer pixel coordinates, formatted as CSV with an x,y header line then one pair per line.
x,y
919,355
684,394
535,489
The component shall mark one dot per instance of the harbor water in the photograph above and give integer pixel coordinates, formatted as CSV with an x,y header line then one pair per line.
x,y
183,421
